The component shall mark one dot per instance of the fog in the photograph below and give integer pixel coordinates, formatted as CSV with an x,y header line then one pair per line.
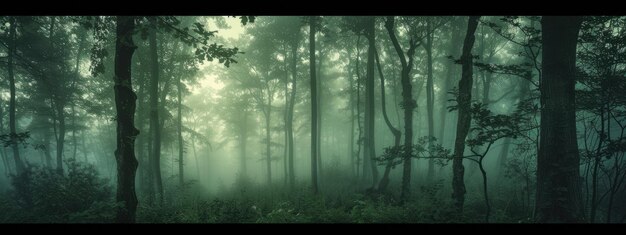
x,y
312,119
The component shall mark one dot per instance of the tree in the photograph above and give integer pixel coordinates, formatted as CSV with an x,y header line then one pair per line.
x,y
314,130
370,154
464,98
126,132
19,165
155,129
408,103
559,195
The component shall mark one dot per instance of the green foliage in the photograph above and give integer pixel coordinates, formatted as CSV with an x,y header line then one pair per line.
x,y
425,147
42,195
489,127
18,138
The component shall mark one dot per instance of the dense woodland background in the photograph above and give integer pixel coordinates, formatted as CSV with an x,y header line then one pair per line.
x,y
358,119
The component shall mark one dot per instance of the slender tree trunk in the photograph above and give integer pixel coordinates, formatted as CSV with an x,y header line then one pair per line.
x,y
268,152
243,140
430,97
195,156
3,153
397,135
19,165
358,107
126,132
352,129
58,106
286,126
61,139
181,146
81,47
370,151
312,32
464,119
453,51
559,194
155,130
294,72
46,151
320,90
408,103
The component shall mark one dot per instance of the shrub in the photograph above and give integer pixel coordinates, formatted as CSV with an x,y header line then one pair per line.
x,y
80,195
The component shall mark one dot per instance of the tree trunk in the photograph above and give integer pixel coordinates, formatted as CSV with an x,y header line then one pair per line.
x,y
3,153
559,194
19,165
312,31
155,130
464,119
408,103
358,108
243,140
352,122
126,132
453,51
181,168
46,151
61,139
370,150
294,72
384,181
81,47
268,152
430,97
319,116
286,122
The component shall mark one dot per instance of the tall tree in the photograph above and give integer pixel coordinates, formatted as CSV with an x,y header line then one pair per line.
x,y
559,194
370,154
295,43
179,127
464,117
155,130
397,135
408,103
19,165
126,132
314,130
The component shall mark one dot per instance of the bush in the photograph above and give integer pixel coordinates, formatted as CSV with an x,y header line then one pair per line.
x,y
80,195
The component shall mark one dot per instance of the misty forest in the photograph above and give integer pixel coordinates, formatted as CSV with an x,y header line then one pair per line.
x,y
312,119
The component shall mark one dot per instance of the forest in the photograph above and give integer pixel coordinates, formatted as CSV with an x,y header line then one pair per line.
x,y
312,119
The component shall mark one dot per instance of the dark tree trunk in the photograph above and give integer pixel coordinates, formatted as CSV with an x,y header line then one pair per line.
x,y
397,135
464,119
312,31
370,153
126,132
19,165
559,194
155,130
408,103
430,97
